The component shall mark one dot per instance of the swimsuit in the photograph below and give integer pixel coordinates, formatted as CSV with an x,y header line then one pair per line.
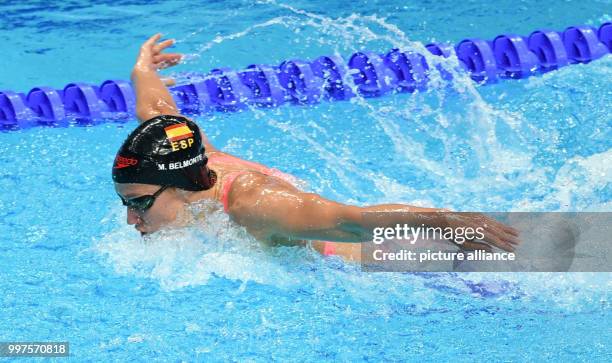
x,y
329,247
229,179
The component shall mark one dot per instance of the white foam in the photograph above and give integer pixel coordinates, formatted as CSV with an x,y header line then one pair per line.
x,y
578,181
190,256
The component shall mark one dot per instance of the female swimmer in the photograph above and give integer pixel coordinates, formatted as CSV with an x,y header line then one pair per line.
x,y
167,162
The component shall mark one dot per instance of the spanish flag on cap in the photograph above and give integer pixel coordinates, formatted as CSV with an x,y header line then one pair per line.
x,y
178,132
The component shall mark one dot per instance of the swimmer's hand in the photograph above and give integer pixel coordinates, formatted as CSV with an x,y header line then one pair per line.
x,y
495,233
152,95
150,58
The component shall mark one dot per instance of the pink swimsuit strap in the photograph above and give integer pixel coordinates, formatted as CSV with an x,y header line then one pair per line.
x,y
216,157
227,186
329,248
229,179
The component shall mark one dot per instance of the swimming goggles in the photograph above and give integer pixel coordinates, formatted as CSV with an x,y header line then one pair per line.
x,y
144,202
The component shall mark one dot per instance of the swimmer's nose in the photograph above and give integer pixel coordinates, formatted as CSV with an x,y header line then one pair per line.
x,y
132,216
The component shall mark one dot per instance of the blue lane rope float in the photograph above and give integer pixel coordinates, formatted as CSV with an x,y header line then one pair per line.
x,y
303,82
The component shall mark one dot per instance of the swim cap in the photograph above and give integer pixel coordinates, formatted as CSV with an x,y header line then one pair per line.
x,y
165,150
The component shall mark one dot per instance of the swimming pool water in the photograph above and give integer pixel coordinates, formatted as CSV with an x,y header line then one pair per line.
x,y
72,270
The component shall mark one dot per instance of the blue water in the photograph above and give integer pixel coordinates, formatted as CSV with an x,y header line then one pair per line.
x,y
72,270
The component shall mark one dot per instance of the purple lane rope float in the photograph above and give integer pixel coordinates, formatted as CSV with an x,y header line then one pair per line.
x,y
310,82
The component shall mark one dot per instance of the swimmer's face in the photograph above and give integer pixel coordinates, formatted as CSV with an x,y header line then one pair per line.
x,y
162,213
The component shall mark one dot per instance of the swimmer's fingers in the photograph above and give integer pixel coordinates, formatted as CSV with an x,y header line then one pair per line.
x,y
168,57
158,48
494,239
491,231
502,227
501,232
144,61
167,63
148,45
511,230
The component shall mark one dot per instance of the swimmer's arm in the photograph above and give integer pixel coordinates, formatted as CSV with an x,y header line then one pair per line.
x,y
275,209
152,96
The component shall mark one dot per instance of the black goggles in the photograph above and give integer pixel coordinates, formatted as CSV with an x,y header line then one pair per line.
x,y
144,202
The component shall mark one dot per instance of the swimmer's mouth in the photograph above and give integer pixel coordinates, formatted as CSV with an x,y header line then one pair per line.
x,y
141,232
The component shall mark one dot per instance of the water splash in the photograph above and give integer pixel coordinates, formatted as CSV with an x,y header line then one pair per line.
x,y
482,156
190,256
218,249
475,166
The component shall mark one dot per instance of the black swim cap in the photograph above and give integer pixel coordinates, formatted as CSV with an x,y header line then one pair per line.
x,y
165,150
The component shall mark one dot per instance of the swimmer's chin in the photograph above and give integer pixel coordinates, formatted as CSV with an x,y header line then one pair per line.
x,y
146,234
182,220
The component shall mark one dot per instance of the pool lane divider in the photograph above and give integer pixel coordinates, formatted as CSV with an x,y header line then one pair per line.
x,y
309,82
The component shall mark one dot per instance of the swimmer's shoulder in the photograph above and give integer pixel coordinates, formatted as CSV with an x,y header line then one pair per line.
x,y
248,182
255,201
250,186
